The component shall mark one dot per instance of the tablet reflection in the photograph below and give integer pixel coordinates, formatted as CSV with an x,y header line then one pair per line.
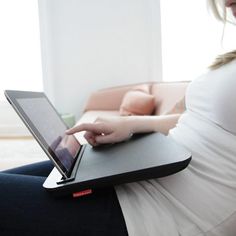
x,y
66,148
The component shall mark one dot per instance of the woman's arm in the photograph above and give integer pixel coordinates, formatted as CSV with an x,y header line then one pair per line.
x,y
117,129
162,124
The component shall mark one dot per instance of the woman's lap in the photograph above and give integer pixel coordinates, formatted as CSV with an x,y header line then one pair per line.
x,y
37,169
27,208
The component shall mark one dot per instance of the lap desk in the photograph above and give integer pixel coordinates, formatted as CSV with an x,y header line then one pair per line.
x,y
81,168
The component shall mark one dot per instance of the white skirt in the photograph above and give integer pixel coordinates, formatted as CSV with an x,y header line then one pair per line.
x,y
200,200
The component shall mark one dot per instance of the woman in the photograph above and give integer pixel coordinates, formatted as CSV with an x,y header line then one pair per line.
x,y
201,200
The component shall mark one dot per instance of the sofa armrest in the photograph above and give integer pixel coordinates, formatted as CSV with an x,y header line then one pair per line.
x,y
168,95
109,98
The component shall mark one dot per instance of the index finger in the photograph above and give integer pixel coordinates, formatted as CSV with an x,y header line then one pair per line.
x,y
92,127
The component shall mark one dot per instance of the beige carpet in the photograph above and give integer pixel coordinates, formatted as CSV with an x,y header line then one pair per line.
x,y
17,152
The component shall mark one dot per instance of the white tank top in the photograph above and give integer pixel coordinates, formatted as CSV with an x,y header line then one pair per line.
x,y
200,200
213,96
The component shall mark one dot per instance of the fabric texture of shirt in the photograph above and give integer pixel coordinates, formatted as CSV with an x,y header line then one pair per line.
x,y
201,199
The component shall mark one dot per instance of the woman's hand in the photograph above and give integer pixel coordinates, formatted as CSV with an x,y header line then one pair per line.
x,y
104,130
117,129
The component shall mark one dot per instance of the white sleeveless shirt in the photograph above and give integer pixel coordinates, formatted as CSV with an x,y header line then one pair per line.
x,y
200,200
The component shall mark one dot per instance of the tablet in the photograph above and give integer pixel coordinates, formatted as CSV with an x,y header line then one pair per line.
x,y
47,127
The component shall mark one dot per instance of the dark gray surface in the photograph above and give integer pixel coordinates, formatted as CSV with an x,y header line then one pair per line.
x,y
139,153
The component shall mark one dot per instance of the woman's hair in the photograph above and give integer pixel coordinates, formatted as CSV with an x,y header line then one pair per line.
x,y
219,10
223,59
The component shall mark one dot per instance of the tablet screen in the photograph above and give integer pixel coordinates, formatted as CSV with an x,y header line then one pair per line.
x,y
50,129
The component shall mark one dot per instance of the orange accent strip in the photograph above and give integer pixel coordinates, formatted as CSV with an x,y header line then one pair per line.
x,y
82,193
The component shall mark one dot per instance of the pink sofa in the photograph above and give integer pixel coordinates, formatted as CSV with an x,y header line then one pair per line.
x,y
106,102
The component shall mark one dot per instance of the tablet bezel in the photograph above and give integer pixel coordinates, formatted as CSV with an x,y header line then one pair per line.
x,y
12,96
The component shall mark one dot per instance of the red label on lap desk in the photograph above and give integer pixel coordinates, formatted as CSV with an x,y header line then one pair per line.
x,y
82,193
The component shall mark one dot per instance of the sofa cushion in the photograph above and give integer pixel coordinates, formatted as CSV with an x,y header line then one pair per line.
x,y
138,101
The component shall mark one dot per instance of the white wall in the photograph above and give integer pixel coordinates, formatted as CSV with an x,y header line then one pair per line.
x,y
20,56
192,40
10,123
91,44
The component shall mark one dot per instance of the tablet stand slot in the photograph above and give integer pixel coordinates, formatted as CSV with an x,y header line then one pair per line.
x,y
65,180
